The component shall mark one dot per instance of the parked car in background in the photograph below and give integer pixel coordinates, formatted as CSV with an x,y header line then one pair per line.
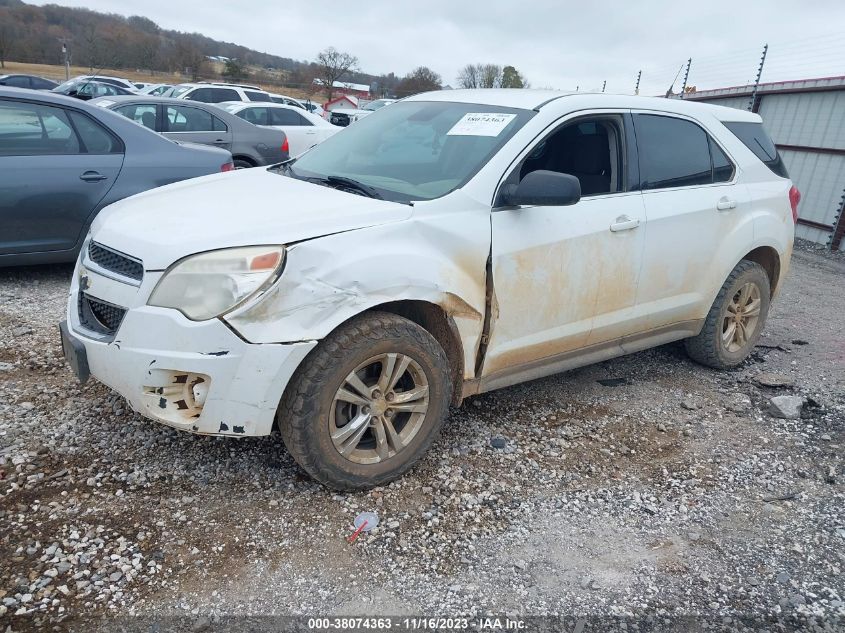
x,y
217,93
86,89
251,146
307,105
303,129
63,160
315,108
285,100
346,116
105,79
32,82
156,90
459,242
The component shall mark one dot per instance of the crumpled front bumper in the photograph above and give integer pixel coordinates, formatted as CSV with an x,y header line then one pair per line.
x,y
195,376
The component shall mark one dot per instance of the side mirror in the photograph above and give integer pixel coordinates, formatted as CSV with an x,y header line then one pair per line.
x,y
543,188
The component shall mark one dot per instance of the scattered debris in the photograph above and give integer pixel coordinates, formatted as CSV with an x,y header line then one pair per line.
x,y
364,522
498,442
690,404
786,497
786,407
613,382
772,379
798,341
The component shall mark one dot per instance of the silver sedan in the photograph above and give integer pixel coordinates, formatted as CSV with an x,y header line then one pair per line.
x,y
196,122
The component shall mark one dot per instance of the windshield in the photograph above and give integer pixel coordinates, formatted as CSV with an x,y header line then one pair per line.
x,y
175,91
414,150
67,85
375,105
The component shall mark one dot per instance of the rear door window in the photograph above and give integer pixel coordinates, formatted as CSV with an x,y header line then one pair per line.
x,y
676,152
256,116
142,113
94,138
283,116
673,152
27,129
188,119
755,138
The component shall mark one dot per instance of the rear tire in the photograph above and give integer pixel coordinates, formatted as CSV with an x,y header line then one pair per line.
x,y
241,163
735,320
367,402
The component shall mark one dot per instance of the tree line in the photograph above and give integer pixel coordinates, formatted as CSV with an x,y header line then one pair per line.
x,y
35,34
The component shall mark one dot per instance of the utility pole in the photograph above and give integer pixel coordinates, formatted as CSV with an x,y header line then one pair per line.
x,y
753,103
67,61
604,85
686,76
637,87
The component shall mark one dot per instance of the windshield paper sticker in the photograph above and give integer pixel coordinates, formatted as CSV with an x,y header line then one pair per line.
x,y
481,124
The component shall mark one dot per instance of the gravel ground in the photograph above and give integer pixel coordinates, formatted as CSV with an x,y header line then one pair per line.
x,y
670,492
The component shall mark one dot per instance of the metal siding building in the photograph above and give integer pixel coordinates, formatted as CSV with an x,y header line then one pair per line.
x,y
806,120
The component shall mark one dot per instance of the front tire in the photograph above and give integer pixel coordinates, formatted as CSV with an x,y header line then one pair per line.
x,y
367,403
735,320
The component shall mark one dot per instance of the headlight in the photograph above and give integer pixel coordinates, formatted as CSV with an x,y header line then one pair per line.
x,y
207,285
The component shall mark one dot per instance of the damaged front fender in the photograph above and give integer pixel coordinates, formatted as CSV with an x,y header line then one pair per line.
x,y
438,259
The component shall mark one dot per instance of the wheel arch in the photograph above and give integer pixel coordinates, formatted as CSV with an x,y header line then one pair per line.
x,y
769,258
245,158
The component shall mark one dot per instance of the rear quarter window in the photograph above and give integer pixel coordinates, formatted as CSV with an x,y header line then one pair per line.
x,y
755,138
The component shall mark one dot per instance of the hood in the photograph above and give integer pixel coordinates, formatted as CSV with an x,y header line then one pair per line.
x,y
240,208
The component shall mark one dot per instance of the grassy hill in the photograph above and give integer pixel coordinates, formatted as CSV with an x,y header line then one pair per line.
x,y
32,34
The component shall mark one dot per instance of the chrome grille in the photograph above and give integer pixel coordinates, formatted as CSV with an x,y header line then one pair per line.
x,y
115,262
99,316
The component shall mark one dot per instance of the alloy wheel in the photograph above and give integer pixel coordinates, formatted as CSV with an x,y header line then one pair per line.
x,y
379,408
741,317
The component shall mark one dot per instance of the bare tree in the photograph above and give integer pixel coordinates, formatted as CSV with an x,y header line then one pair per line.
x,y
480,76
7,32
468,77
92,45
191,59
491,75
332,65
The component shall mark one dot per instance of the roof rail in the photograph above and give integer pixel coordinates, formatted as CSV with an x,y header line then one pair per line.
x,y
223,83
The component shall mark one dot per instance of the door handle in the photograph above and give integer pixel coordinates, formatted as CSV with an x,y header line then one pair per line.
x,y
725,204
220,141
92,176
624,223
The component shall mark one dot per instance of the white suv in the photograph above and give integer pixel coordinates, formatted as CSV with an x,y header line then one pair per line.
x,y
217,92
454,243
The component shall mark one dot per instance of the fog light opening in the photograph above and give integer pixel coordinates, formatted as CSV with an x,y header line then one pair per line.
x,y
176,396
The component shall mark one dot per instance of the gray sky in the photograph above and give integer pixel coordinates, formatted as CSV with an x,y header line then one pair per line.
x,y
554,44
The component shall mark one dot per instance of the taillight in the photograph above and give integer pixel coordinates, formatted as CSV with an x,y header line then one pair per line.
x,y
286,146
227,166
794,199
